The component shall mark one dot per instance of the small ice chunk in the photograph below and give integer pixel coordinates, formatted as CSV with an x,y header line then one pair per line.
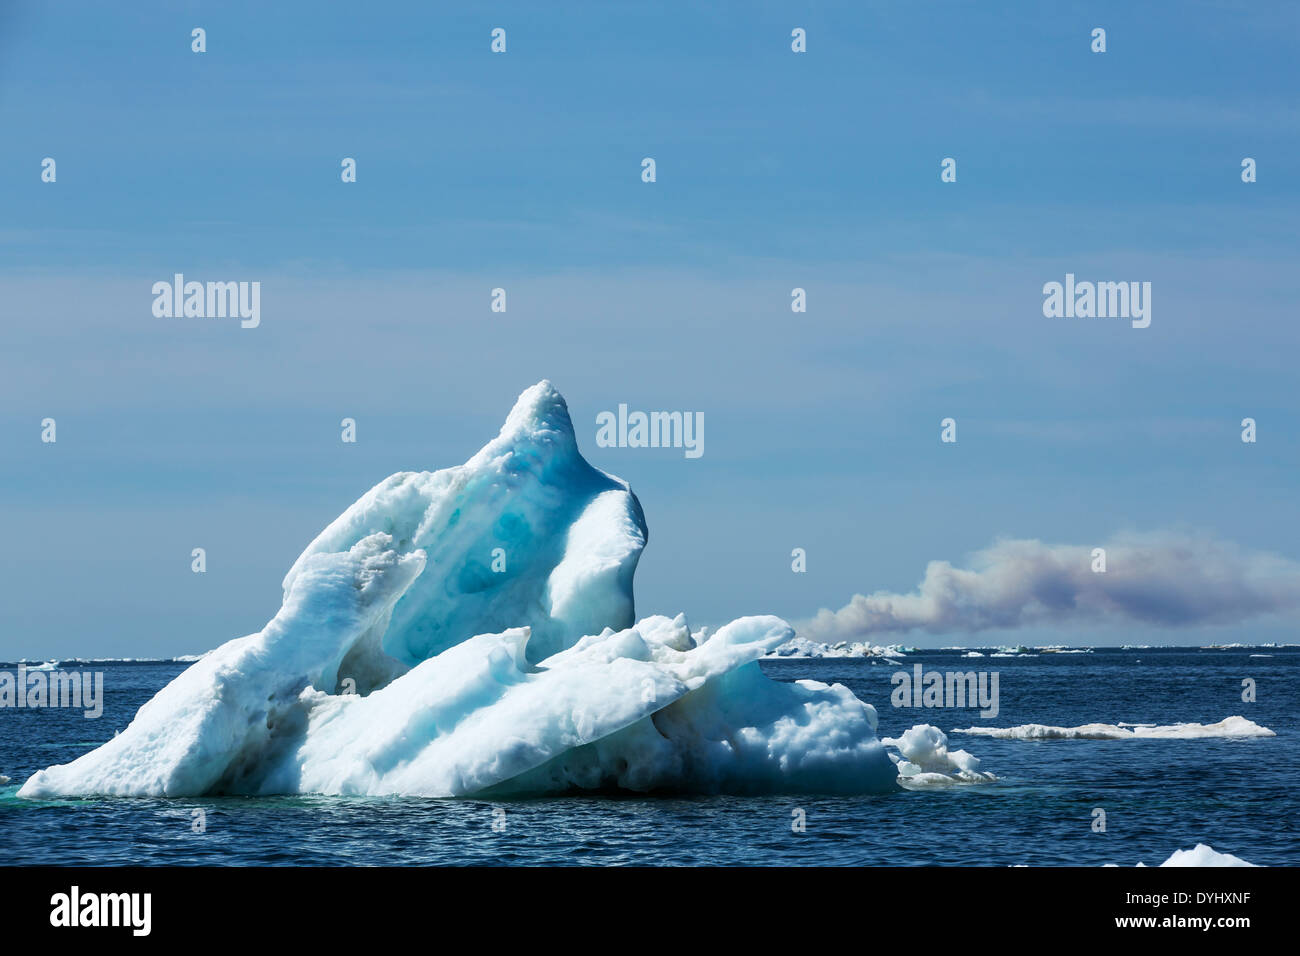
x,y
924,760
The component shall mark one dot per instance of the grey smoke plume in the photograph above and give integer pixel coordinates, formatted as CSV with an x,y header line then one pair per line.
x,y
1165,580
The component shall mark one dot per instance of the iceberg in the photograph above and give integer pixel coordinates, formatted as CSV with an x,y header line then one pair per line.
x,y
471,631
1230,728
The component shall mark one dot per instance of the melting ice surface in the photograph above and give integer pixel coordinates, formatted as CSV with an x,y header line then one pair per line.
x,y
471,631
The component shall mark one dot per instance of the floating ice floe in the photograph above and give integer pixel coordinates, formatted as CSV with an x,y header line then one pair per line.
x,y
1203,855
924,760
1229,727
65,661
471,631
1200,855
802,647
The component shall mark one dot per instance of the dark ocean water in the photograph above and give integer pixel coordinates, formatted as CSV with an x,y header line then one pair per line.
x,y
1239,796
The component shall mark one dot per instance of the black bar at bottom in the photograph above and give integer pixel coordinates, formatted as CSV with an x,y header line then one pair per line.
x,y
226,905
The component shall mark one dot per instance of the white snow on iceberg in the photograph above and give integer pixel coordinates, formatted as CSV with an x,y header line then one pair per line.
x,y
1229,727
471,631
641,709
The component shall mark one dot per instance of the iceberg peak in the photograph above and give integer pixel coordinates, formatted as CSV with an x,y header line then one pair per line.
x,y
538,423
525,533
539,408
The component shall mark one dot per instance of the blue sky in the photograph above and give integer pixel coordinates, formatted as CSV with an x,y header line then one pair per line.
x,y
522,170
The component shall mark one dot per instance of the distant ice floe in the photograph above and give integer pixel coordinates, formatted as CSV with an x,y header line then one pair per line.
x,y
802,647
3,780
1237,646
80,661
924,760
1229,727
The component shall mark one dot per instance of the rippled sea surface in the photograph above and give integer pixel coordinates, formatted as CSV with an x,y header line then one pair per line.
x,y
1239,796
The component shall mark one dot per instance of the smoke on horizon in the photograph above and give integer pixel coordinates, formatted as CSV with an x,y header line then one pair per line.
x,y
1159,579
